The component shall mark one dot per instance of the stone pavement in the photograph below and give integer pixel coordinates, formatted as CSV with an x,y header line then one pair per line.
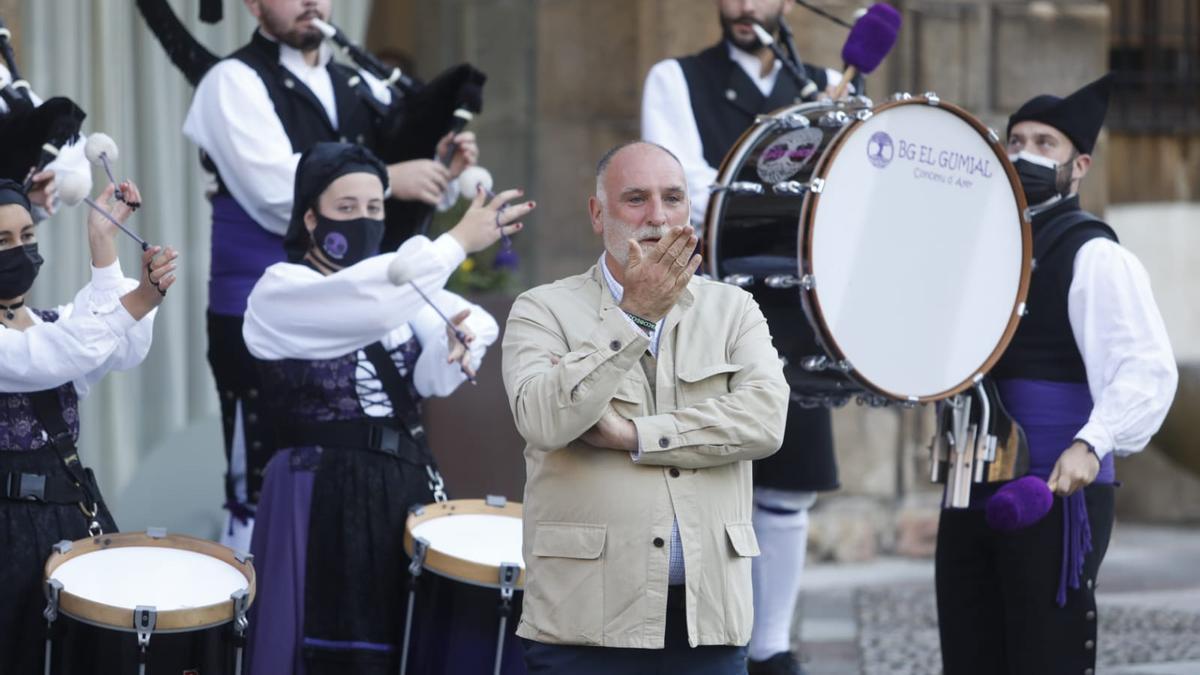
x,y
879,618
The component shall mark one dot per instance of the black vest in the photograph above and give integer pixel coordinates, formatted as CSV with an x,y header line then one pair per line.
x,y
725,101
303,117
1044,347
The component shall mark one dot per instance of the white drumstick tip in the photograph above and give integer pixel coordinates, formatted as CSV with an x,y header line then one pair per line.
x,y
101,144
398,272
471,179
72,187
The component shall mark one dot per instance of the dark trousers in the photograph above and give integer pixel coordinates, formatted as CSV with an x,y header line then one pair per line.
x,y
996,592
676,657
238,383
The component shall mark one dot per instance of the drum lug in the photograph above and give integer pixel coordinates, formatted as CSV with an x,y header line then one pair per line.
x,y
808,282
739,280
932,98
420,549
864,115
901,96
241,606
509,573
834,119
156,532
741,187
496,501
993,136
1021,310
816,186
781,281
63,547
243,557
793,122
53,589
144,619
863,100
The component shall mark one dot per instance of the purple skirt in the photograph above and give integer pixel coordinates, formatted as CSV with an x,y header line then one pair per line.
x,y
280,547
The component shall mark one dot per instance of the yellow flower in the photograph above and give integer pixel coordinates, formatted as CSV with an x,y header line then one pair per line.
x,y
467,265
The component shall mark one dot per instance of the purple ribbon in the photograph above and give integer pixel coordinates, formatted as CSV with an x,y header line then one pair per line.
x,y
1077,543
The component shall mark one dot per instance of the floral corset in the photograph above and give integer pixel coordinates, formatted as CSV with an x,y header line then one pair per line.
x,y
20,429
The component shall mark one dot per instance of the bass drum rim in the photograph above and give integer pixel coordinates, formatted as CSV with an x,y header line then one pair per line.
x,y
810,298
106,616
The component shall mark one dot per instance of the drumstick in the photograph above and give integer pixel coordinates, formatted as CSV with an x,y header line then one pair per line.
x,y
871,38
73,190
399,274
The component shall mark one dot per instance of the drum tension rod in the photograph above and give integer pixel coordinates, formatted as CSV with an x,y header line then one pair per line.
x,y
741,187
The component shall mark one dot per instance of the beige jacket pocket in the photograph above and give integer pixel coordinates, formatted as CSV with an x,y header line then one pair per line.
x,y
702,382
567,580
739,594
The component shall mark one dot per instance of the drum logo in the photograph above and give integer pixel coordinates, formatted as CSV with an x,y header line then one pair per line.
x,y
880,150
788,154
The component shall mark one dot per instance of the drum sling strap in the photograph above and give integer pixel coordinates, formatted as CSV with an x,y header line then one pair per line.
x,y
79,489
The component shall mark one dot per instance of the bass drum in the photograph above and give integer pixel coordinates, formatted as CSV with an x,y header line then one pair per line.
x,y
886,245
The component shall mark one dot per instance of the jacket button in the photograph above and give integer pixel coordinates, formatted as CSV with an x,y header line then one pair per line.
x,y
1091,615
658,542
1091,584
1089,671
251,393
289,83
615,345
256,445
1089,645
251,418
674,472
730,94
663,442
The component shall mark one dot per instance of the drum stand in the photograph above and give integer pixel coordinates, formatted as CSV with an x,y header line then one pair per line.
x,y
966,449
415,567
509,573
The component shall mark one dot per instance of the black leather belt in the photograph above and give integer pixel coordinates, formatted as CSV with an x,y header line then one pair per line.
x,y
52,489
357,434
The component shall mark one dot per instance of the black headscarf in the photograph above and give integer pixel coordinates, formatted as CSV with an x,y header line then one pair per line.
x,y
319,166
1079,116
11,192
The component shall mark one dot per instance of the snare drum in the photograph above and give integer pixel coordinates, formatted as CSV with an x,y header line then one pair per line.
x,y
886,245
463,617
146,602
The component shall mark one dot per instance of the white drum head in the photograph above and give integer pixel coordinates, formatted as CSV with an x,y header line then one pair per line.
x,y
917,250
483,539
164,578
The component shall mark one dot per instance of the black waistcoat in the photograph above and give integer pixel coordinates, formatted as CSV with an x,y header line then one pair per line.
x,y
1044,347
300,111
725,101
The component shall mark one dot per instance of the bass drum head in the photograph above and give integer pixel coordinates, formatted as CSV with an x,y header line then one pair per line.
x,y
917,250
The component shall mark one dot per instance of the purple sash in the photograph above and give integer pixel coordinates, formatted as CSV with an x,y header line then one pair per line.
x,y
1051,414
241,251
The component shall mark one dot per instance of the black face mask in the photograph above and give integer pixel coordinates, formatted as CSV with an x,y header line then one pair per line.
x,y
18,268
1040,182
347,242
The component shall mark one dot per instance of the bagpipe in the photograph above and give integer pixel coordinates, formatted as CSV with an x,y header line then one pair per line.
x,y
32,135
420,115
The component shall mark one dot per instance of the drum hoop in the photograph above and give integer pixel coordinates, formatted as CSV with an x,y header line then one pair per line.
x,y
811,300
168,621
725,175
453,567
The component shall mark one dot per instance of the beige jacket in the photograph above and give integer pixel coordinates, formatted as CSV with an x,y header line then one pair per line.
x,y
597,523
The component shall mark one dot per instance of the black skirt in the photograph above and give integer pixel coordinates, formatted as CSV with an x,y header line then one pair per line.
x,y
28,531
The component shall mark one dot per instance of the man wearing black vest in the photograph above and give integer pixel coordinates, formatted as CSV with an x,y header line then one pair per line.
x,y
253,114
1089,375
698,106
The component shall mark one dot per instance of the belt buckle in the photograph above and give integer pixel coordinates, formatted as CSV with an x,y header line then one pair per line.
x,y
32,487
